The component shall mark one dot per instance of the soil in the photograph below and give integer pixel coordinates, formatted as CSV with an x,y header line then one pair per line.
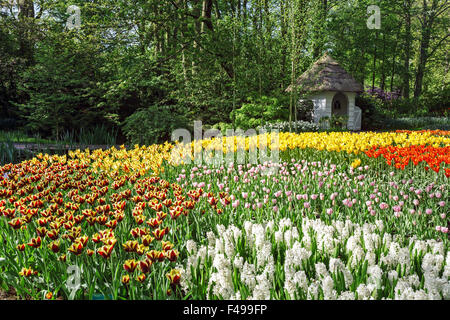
x,y
11,295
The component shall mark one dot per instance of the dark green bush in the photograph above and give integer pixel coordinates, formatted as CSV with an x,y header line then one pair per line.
x,y
373,116
305,110
8,123
153,124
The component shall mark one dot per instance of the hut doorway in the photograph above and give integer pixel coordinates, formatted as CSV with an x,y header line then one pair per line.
x,y
339,105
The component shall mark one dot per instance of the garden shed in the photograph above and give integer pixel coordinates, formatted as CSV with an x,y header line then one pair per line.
x,y
332,91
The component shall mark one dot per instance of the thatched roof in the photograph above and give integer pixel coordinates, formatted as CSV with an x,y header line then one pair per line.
x,y
326,75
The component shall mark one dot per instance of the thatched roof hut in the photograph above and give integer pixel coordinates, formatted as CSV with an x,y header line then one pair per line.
x,y
332,91
326,75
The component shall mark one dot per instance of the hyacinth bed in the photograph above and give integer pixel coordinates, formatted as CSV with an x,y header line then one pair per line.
x,y
338,216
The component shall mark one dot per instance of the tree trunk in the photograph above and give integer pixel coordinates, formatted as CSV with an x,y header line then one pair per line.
x,y
195,12
183,50
427,24
394,54
424,45
25,16
405,86
374,61
283,44
383,62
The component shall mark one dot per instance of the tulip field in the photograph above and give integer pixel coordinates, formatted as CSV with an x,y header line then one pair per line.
x,y
339,215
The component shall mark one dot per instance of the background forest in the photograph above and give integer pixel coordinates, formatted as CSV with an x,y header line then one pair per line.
x,y
141,68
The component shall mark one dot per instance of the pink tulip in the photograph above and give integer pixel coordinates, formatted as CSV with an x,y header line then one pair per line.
x,y
384,205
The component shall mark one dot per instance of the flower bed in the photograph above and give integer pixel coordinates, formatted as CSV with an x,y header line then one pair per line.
x,y
328,221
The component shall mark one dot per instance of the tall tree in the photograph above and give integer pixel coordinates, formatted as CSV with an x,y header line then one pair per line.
x,y
431,11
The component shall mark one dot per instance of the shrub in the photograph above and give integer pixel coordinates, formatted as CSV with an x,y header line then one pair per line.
x,y
419,123
305,110
8,123
258,112
373,114
223,127
153,124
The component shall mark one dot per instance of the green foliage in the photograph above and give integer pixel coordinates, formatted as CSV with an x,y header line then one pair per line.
x,y
8,123
153,124
372,117
130,55
223,127
257,112
62,87
8,154
430,112
418,123
305,110
98,135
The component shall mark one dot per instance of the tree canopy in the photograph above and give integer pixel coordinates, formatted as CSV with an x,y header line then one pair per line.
x,y
203,59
